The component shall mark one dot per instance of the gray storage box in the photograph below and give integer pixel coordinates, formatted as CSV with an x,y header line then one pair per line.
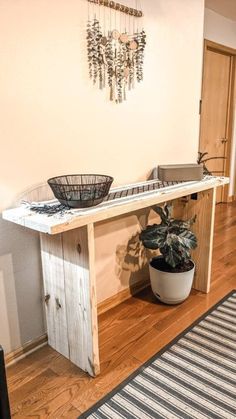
x,y
180,172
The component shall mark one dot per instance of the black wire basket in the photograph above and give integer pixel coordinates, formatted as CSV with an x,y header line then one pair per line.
x,y
80,191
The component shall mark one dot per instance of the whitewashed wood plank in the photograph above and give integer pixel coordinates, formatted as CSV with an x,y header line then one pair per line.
x,y
81,300
204,208
26,218
54,288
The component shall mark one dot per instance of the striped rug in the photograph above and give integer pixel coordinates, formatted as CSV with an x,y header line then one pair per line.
x,y
193,377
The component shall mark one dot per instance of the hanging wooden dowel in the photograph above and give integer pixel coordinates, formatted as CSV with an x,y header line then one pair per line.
x,y
120,7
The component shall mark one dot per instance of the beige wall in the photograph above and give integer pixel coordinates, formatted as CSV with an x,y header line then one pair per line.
x,y
53,121
219,29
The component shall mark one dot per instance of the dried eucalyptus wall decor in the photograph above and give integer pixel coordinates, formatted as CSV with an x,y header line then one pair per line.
x,y
115,45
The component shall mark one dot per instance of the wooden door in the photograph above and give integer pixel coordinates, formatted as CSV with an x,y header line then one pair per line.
x,y
215,112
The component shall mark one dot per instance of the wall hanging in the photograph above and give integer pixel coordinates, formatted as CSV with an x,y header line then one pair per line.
x,y
116,42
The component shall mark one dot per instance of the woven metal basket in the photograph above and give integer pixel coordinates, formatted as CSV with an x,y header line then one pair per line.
x,y
80,191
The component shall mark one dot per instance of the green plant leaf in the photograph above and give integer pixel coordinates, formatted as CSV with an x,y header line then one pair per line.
x,y
172,237
164,212
153,236
188,239
161,213
168,210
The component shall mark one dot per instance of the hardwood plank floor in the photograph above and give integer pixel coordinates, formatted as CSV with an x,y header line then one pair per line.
x,y
46,385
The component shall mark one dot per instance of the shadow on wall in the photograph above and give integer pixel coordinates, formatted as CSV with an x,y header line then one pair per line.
x,y
21,285
132,259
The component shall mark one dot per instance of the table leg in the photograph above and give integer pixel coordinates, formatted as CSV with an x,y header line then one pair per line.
x,y
70,293
204,207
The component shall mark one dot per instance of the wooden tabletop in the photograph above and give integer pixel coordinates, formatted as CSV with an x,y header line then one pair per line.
x,y
76,218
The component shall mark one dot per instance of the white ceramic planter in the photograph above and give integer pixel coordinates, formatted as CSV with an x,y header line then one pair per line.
x,y
171,288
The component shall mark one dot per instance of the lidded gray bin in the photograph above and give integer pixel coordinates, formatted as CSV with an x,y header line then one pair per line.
x,y
180,172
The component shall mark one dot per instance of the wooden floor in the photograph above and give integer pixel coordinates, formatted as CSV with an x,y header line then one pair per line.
x,y
46,385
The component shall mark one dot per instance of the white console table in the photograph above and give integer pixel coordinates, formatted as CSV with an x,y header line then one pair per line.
x,y
68,260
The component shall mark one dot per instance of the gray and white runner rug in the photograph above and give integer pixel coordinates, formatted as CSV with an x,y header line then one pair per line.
x,y
192,377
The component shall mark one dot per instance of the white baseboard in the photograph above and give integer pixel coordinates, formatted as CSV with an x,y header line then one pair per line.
x,y
26,349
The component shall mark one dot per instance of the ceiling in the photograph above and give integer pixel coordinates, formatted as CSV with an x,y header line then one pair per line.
x,y
225,8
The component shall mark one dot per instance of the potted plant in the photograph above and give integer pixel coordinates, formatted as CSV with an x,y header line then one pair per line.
x,y
172,272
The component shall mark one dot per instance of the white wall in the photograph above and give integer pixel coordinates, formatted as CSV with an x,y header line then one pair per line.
x,y
21,317
219,29
53,121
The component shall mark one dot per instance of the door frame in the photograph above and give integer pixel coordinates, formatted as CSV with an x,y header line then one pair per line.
x,y
222,49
